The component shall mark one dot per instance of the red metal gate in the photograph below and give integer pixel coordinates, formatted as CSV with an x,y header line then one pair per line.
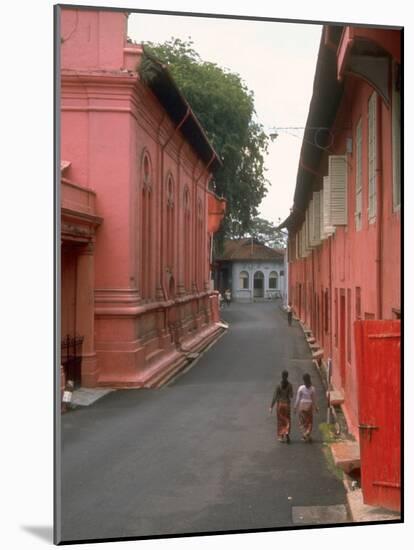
x,y
379,400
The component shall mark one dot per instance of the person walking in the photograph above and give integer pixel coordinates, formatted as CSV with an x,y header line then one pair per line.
x,y
221,300
281,397
227,297
289,314
305,404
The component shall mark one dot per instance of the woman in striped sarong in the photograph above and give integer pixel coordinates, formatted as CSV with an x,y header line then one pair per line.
x,y
305,404
282,396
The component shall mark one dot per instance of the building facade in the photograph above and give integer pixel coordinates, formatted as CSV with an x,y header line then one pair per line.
x,y
136,227
344,246
251,270
344,229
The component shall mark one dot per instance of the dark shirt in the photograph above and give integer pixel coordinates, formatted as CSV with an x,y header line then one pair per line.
x,y
282,394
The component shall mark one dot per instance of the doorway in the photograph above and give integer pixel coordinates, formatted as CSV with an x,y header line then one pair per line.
x,y
342,357
258,285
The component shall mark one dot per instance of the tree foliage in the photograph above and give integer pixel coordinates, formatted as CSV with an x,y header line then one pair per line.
x,y
261,230
225,109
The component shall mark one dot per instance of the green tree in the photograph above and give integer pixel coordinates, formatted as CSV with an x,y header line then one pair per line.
x,y
263,231
225,109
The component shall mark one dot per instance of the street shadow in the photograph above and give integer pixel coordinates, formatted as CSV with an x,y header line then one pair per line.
x,y
43,532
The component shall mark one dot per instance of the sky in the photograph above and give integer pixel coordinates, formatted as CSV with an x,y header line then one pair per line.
x,y
276,61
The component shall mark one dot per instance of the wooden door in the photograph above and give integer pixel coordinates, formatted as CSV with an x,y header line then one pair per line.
x,y
377,345
342,325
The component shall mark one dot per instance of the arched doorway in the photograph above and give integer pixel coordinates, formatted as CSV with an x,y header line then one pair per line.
x,y
258,285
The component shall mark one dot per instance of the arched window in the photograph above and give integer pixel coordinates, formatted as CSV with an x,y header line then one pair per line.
x,y
199,244
273,280
170,222
244,280
145,234
187,237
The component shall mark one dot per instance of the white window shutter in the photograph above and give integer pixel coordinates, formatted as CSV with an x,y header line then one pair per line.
x,y
316,221
297,247
358,176
321,214
396,141
303,246
328,228
372,156
338,189
307,244
310,224
302,241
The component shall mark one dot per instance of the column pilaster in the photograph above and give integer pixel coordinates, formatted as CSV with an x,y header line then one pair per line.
x,y
85,315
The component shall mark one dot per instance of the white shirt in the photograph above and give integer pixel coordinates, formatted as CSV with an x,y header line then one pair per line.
x,y
305,395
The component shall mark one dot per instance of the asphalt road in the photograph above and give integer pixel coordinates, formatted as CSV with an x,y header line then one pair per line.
x,y
200,455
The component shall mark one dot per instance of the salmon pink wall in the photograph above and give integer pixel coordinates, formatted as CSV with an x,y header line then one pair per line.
x,y
92,39
146,315
353,255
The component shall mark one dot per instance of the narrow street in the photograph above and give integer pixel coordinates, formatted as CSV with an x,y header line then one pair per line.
x,y
201,454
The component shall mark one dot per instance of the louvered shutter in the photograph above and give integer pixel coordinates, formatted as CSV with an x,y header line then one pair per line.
x,y
338,189
396,139
328,229
372,156
358,177
310,224
297,243
304,248
306,233
316,222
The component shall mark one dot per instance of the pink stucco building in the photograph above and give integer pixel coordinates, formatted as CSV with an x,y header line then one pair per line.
x,y
344,227
137,216
344,242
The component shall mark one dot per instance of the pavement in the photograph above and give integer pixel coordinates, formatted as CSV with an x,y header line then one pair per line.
x,y
346,456
200,455
360,512
84,397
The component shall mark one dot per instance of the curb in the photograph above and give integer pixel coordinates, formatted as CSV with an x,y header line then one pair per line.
x,y
361,513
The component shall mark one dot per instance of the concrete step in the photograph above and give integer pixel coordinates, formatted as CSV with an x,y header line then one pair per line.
x,y
364,512
323,515
318,354
154,355
335,397
346,455
186,357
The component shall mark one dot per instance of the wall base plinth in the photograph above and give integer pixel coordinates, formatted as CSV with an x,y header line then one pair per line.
x,y
126,370
90,371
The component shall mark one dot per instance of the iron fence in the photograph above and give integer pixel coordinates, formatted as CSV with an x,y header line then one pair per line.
x,y
71,358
